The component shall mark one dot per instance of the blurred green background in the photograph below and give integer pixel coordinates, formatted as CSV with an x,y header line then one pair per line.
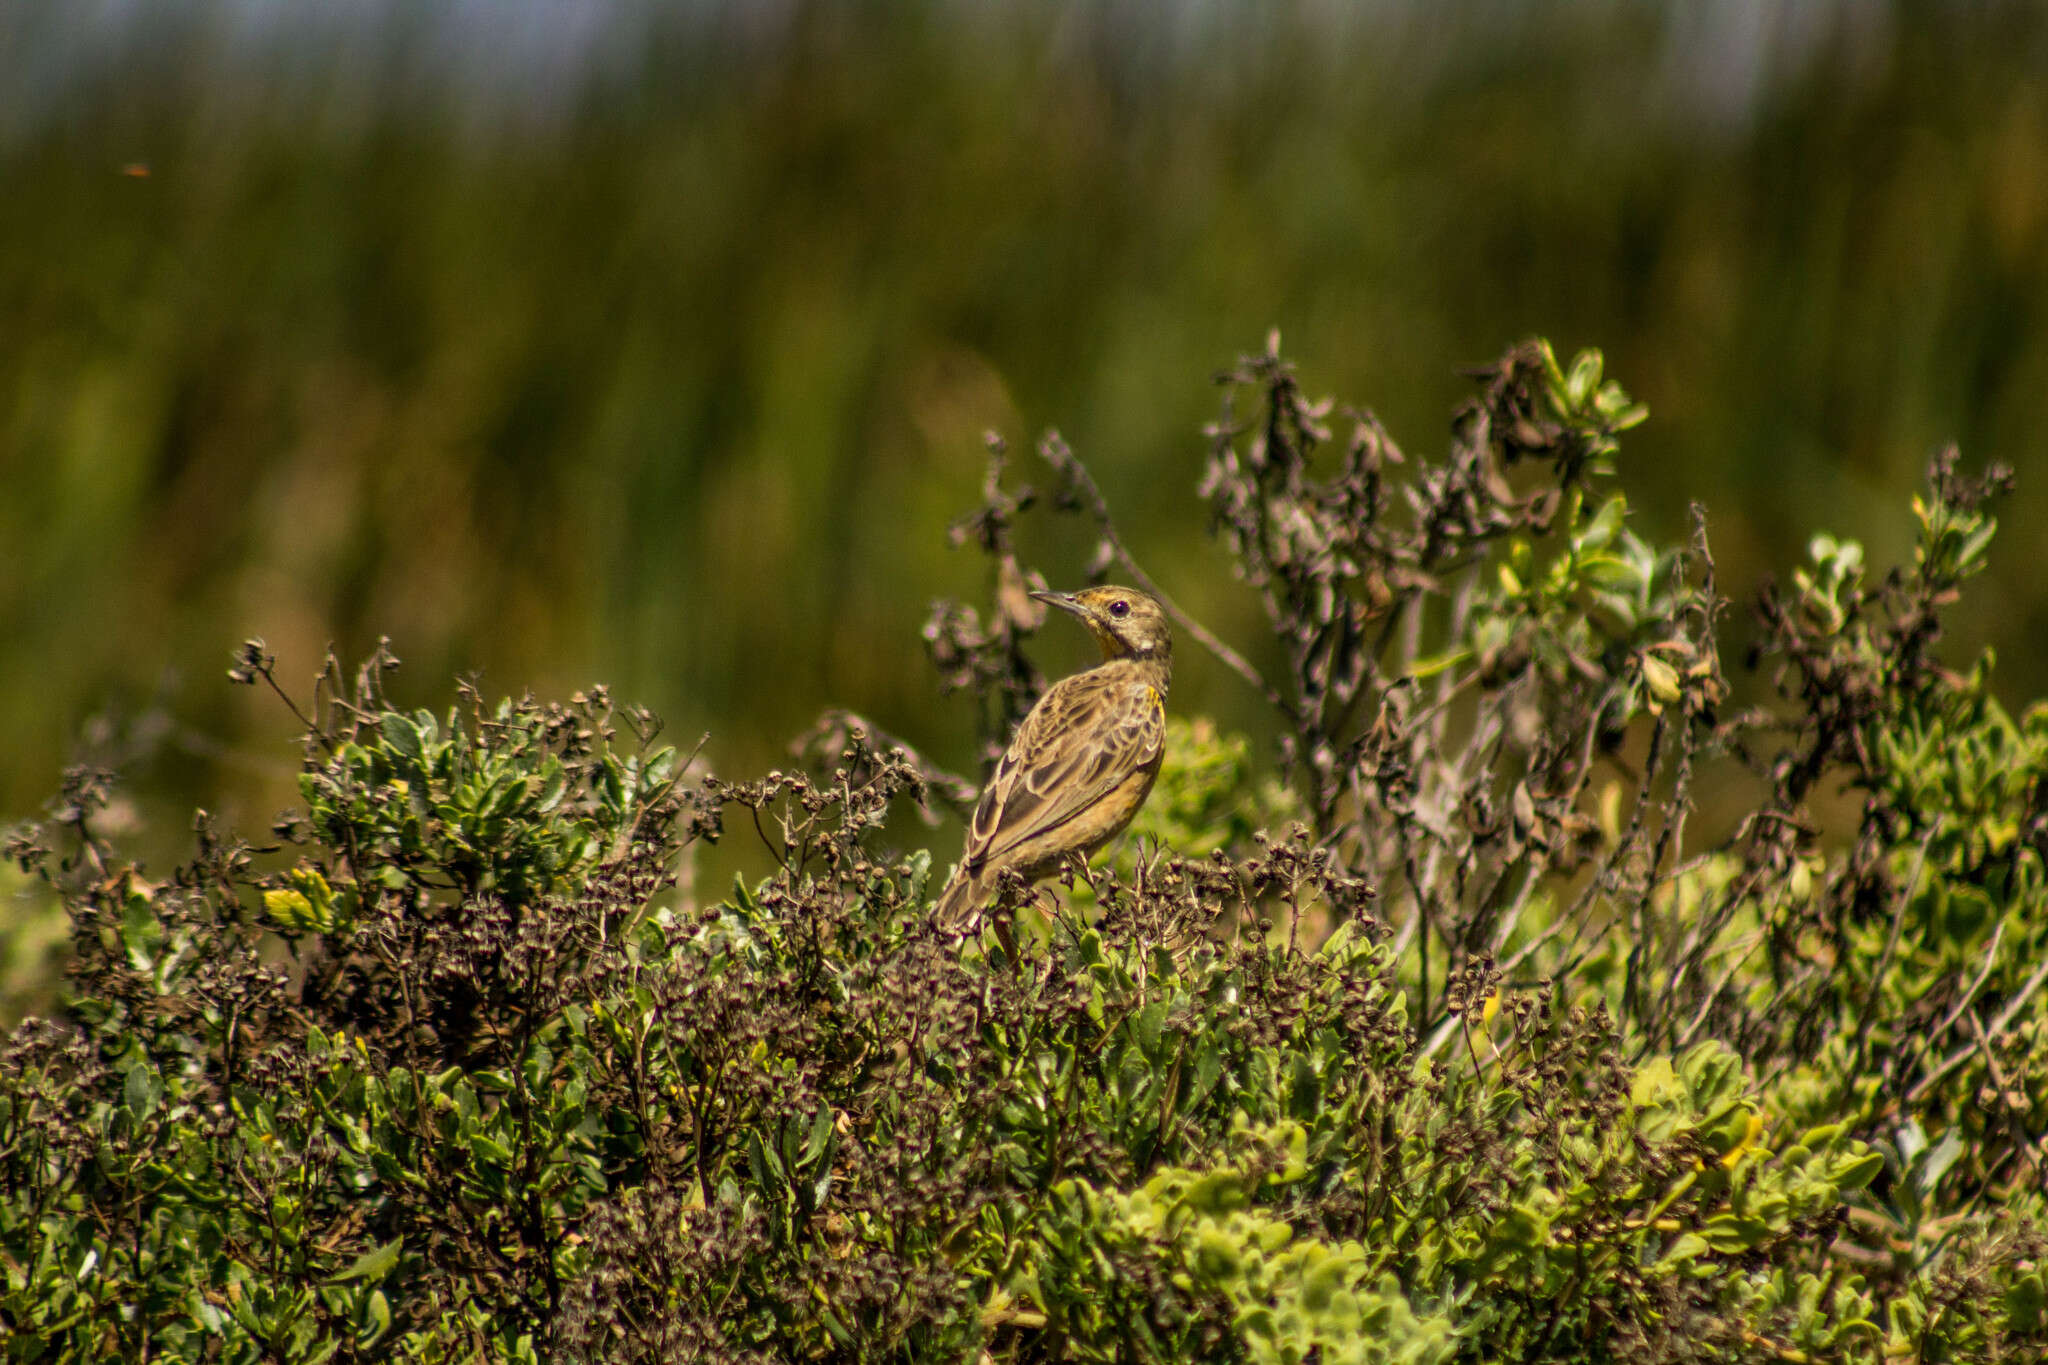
x,y
570,342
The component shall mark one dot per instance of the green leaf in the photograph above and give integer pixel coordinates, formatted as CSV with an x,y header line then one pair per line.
x,y
401,736
1147,1025
537,1066
373,1264
1656,1083
1661,679
1859,1172
1431,665
1584,376
1733,1232
376,1318
142,934
816,1140
141,1091
1687,1247
289,910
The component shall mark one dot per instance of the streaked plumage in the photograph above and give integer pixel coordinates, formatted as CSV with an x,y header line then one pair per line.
x,y
1081,763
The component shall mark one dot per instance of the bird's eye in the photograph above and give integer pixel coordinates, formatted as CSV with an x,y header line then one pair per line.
x,y
1119,608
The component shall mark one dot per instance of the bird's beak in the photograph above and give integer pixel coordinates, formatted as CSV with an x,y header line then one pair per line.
x,y
1065,601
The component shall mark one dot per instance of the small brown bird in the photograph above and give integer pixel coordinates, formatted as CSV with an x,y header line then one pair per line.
x,y
1082,761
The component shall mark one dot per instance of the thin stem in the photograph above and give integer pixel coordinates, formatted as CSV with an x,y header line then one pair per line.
x,y
1057,453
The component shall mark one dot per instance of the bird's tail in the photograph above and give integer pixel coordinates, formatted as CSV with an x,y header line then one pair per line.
x,y
961,903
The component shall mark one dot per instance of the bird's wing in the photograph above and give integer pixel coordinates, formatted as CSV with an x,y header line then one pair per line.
x,y
1084,737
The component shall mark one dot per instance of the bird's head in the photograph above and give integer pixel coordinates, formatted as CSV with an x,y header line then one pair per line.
x,y
1125,622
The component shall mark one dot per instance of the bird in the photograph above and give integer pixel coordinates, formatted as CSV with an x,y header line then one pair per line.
x,y
1083,759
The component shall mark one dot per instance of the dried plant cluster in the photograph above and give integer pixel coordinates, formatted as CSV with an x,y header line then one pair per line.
x,y
1457,1043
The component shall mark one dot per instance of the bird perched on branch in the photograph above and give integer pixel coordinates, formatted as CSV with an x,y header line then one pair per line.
x,y
1082,761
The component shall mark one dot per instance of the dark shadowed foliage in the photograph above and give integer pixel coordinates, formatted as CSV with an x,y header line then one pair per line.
x,y
645,342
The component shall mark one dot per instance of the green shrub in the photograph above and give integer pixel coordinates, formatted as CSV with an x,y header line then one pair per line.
x,y
1459,1046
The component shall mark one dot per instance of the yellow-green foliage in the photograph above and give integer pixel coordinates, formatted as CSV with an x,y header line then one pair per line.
x,y
1290,1296
1209,795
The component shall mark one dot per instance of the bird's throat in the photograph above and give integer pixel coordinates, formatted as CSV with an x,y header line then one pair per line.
x,y
1154,669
